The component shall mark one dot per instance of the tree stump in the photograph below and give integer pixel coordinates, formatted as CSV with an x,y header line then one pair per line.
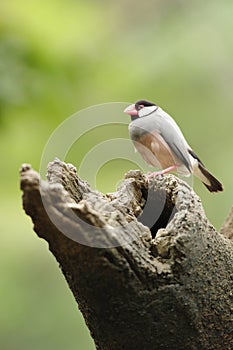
x,y
146,267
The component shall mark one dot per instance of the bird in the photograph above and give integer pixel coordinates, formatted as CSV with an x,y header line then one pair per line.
x,y
161,143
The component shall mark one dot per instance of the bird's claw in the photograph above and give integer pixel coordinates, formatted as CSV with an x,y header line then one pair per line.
x,y
157,173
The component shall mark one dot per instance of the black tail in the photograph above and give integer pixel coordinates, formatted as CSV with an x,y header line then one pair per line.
x,y
215,185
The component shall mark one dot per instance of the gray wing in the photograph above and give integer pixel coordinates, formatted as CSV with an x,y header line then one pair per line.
x,y
170,132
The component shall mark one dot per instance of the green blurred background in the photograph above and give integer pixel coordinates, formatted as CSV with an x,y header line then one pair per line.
x,y
59,56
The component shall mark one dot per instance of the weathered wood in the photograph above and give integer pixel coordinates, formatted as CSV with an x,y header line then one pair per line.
x,y
174,291
227,228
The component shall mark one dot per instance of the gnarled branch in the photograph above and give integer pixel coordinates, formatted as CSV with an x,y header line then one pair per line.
x,y
146,267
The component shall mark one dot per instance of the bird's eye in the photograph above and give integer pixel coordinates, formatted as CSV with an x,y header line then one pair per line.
x,y
138,106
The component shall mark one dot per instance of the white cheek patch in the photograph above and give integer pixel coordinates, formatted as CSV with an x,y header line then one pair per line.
x,y
146,111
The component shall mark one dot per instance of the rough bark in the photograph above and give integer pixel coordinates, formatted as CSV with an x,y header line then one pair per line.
x,y
167,287
227,228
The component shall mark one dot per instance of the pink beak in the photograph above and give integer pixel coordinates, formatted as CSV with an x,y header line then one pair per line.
x,y
131,110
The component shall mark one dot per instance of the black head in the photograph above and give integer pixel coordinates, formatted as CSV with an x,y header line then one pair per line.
x,y
143,103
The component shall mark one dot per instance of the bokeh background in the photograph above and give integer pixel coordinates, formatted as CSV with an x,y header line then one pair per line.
x,y
59,56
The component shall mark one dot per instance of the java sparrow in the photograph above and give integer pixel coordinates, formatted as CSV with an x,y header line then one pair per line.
x,y
159,140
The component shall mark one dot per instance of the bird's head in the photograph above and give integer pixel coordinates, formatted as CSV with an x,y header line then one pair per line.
x,y
141,108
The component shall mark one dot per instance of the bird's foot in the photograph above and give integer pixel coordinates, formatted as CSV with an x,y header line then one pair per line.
x,y
150,175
